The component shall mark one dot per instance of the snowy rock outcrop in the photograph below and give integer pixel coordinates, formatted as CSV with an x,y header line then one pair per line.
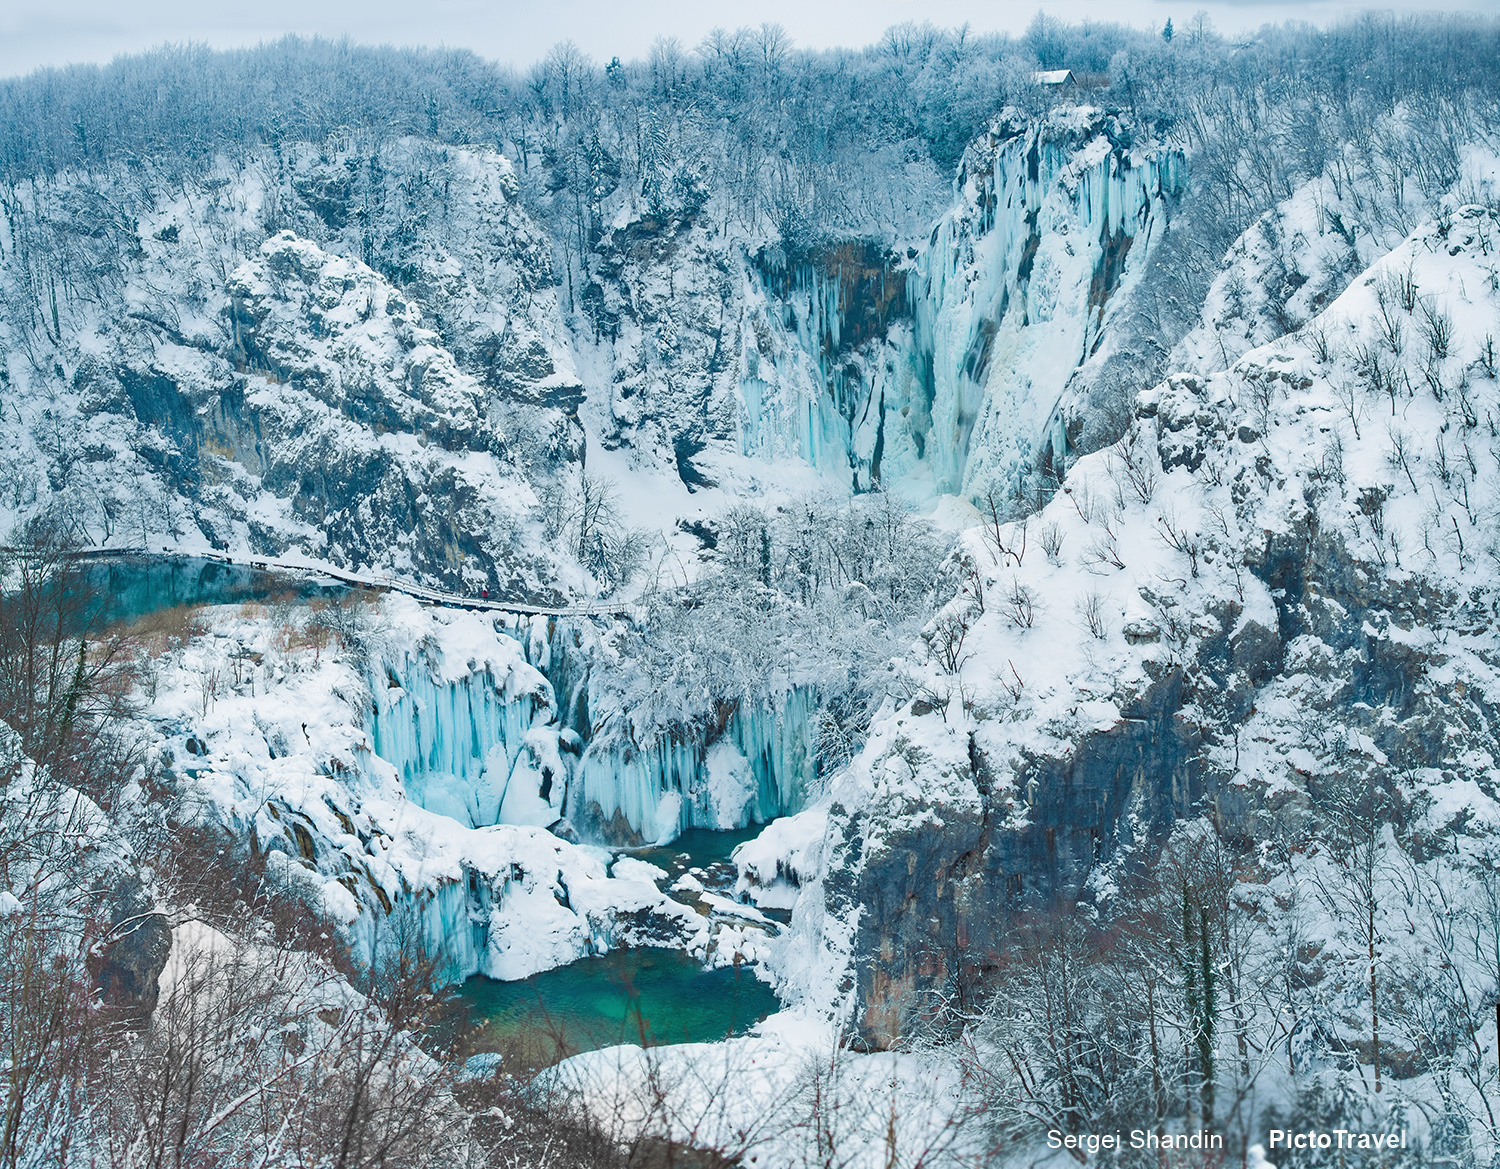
x,y
370,356
776,864
51,835
234,365
364,420
1280,580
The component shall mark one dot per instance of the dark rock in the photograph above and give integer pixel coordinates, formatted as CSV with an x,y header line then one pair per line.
x,y
941,895
128,963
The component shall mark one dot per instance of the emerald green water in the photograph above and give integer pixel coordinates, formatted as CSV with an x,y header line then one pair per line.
x,y
626,996
697,848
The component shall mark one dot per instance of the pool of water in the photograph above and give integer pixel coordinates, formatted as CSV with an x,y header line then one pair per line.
x,y
697,848
135,587
642,996
705,854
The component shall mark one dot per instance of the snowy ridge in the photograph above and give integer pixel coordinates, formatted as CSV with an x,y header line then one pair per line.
x,y
1301,254
1279,566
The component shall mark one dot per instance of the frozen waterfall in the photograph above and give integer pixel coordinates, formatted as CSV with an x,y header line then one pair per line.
x,y
1012,294
489,750
955,384
760,767
470,748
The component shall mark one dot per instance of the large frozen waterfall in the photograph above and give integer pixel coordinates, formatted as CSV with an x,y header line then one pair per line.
x,y
1013,293
953,383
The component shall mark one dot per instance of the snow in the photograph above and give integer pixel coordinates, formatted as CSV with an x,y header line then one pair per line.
x,y
194,945
786,855
754,1096
1256,1158
730,787
629,868
1462,800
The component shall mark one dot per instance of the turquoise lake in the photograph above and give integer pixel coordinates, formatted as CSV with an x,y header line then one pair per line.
x,y
639,996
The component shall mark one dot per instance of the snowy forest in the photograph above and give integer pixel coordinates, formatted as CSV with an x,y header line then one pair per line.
x,y
918,605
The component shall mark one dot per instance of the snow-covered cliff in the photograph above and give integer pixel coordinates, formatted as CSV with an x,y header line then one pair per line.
x,y
366,355
1280,580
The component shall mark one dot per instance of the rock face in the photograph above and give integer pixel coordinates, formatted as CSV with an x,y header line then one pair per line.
x,y
356,358
366,423
940,884
378,358
1227,626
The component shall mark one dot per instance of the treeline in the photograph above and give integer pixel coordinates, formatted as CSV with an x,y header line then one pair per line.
x,y
780,113
1325,976
769,141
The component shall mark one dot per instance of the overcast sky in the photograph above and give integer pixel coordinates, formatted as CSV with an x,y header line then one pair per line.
x,y
35,33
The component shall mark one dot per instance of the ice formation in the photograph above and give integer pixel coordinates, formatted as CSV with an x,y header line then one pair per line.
x,y
474,733
1013,292
410,790
760,768
961,389
463,746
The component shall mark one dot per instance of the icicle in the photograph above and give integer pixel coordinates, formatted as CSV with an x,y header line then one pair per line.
x,y
442,739
675,783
